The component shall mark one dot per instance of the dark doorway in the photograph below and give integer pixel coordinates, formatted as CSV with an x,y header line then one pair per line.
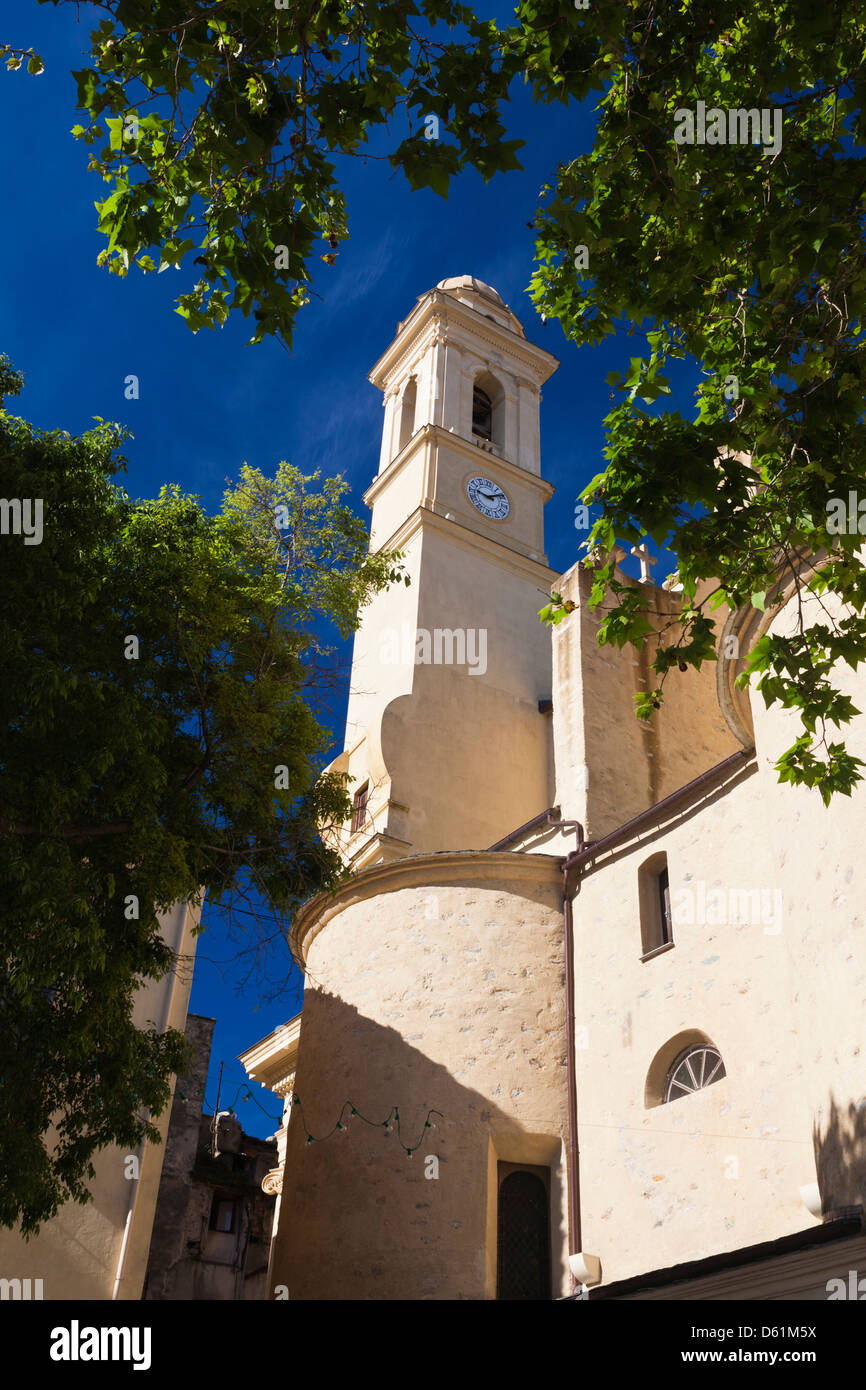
x,y
523,1238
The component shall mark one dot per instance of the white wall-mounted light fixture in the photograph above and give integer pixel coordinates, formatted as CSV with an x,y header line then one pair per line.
x,y
585,1268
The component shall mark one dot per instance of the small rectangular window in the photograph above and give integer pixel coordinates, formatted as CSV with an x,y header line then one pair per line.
x,y
223,1214
359,807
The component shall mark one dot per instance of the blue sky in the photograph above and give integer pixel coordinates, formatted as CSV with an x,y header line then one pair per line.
x,y
209,402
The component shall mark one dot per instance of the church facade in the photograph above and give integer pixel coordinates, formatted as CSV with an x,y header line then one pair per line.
x,y
586,1020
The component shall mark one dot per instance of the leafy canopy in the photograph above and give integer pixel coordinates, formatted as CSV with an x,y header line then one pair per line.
x,y
750,261
223,123
162,673
742,259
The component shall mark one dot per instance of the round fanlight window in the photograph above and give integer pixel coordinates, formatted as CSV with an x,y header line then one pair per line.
x,y
697,1067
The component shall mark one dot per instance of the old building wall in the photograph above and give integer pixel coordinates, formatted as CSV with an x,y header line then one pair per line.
x,y
782,995
456,752
469,750
610,766
99,1250
170,1226
189,1257
432,983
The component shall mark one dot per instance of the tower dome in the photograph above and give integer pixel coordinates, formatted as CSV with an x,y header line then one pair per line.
x,y
469,282
483,298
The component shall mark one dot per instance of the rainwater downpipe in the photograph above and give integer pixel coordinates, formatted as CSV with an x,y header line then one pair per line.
x,y
585,1269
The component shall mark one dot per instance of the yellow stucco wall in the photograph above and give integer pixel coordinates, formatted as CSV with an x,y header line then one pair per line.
x,y
720,1169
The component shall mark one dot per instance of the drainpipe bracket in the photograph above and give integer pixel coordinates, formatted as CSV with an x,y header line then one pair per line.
x,y
585,1268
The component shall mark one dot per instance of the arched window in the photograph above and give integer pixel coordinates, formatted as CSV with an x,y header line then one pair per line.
x,y
407,413
482,414
656,920
523,1238
692,1070
488,410
688,1062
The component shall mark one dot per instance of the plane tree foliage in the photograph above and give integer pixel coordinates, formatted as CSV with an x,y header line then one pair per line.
x,y
746,261
219,128
164,673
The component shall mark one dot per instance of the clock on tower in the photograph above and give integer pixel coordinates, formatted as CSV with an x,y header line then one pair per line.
x,y
489,498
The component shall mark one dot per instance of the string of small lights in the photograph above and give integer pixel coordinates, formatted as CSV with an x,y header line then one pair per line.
x,y
249,1096
230,1109
391,1124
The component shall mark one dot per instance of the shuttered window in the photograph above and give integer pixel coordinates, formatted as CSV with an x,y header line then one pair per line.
x,y
359,807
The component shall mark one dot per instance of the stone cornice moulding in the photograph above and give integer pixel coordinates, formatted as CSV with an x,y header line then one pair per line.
x,y
447,868
380,842
432,435
437,306
510,558
272,1061
397,464
406,365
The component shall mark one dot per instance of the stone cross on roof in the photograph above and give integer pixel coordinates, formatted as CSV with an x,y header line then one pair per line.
x,y
642,554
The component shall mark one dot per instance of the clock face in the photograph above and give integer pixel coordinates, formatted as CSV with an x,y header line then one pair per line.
x,y
488,498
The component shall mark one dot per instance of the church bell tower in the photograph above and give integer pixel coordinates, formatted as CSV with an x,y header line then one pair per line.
x,y
447,742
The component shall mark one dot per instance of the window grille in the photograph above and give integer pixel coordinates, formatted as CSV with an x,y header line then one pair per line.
x,y
523,1238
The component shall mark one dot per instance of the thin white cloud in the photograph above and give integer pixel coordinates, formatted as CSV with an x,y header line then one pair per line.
x,y
360,274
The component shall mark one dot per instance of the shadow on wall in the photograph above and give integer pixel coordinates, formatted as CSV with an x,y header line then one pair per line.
x,y
840,1155
361,1220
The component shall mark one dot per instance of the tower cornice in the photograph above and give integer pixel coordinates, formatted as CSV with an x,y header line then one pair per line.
x,y
447,867
437,311
473,453
273,1059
